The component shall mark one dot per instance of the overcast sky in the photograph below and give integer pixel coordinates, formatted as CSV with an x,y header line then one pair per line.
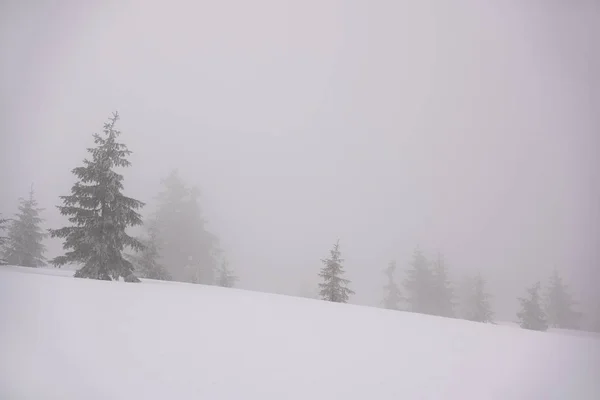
x,y
463,127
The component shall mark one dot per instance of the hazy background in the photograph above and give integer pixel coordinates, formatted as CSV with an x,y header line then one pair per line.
x,y
463,127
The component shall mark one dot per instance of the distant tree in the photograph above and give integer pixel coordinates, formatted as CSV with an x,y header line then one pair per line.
x,y
3,226
24,245
442,293
419,284
100,213
146,261
225,276
187,249
478,301
392,296
334,287
531,316
559,305
3,239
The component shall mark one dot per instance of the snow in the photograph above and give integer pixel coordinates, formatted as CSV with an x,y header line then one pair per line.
x,y
66,338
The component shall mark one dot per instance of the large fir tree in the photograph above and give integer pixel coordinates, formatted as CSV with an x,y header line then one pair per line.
x,y
100,213
392,296
24,245
187,249
478,306
146,261
559,305
334,287
419,285
531,316
441,289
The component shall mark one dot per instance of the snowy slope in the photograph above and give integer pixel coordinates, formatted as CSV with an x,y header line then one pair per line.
x,y
66,338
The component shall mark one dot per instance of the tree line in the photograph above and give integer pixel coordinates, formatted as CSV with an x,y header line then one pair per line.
x,y
177,246
427,289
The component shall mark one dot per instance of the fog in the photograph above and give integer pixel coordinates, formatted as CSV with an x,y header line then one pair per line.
x,y
470,129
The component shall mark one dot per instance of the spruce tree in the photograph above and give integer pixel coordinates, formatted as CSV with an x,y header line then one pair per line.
x,y
100,213
478,305
442,290
531,316
334,287
419,285
3,226
187,249
3,239
24,244
559,305
392,296
146,262
226,277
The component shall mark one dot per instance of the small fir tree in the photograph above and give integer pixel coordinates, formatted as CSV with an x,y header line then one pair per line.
x,y
531,316
225,276
392,296
334,287
100,213
559,305
24,245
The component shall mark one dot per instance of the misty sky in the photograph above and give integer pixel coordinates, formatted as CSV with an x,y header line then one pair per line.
x,y
471,128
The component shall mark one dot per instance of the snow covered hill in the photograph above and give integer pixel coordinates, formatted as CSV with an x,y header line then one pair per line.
x,y
66,338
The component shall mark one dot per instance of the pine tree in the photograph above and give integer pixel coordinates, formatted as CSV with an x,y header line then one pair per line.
x,y
146,262
442,291
3,239
225,277
100,213
478,304
559,305
3,226
24,245
187,249
419,284
532,315
392,296
334,288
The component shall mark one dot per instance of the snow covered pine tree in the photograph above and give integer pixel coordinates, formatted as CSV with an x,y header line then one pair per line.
x,y
3,222
187,249
419,285
559,305
100,213
24,244
531,315
334,287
